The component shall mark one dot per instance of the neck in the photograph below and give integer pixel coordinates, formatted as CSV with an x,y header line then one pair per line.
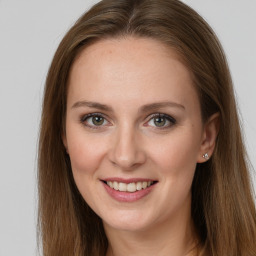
x,y
175,237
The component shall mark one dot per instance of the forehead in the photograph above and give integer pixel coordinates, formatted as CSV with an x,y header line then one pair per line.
x,y
132,67
126,49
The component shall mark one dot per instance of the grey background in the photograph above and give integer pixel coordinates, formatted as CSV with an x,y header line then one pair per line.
x,y
29,34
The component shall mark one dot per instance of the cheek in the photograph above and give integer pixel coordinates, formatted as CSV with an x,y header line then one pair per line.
x,y
177,154
85,152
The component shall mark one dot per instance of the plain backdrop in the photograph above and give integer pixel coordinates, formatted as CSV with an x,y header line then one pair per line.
x,y
30,32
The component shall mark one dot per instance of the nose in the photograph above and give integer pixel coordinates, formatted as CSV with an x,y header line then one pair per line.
x,y
127,149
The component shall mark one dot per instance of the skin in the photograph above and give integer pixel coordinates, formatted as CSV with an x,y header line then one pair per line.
x,y
126,75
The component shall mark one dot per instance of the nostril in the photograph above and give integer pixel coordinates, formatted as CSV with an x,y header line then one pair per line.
x,y
126,152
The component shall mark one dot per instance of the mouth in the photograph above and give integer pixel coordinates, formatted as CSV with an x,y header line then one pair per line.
x,y
130,187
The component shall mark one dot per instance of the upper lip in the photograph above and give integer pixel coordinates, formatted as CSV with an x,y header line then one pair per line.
x,y
127,181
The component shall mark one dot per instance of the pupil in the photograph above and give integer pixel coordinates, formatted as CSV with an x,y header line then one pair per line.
x,y
159,121
97,120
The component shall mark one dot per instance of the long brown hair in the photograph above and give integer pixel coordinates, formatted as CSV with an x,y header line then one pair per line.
x,y
223,206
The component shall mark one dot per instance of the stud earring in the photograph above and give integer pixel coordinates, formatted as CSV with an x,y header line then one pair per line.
x,y
206,156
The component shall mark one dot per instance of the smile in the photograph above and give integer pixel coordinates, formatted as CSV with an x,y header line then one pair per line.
x,y
128,190
130,187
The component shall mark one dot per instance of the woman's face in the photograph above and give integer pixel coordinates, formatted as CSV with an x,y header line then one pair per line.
x,y
134,132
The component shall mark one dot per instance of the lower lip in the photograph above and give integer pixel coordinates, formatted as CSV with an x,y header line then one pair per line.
x,y
128,196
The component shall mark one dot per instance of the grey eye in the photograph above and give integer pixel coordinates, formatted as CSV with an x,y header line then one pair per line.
x,y
159,121
97,120
94,120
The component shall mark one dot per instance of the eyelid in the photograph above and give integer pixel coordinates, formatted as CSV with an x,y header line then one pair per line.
x,y
162,115
169,118
85,116
83,119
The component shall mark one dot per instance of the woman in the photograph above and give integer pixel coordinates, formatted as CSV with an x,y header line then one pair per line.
x,y
140,147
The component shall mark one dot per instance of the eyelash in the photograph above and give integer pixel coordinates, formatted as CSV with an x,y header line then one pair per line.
x,y
84,120
167,118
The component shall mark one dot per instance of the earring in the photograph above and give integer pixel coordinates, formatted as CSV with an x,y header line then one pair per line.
x,y
206,156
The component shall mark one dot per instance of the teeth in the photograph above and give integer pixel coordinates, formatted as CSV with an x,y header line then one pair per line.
x,y
122,187
110,183
130,187
144,184
115,185
139,186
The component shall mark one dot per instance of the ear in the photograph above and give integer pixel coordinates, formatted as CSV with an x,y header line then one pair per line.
x,y
210,132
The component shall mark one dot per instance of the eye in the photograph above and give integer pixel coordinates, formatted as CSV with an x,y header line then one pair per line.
x,y
161,121
94,120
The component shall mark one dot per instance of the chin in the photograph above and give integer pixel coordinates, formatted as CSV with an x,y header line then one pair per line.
x,y
128,221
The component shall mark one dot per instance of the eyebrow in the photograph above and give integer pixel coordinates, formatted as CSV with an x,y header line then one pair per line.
x,y
91,104
159,105
145,108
